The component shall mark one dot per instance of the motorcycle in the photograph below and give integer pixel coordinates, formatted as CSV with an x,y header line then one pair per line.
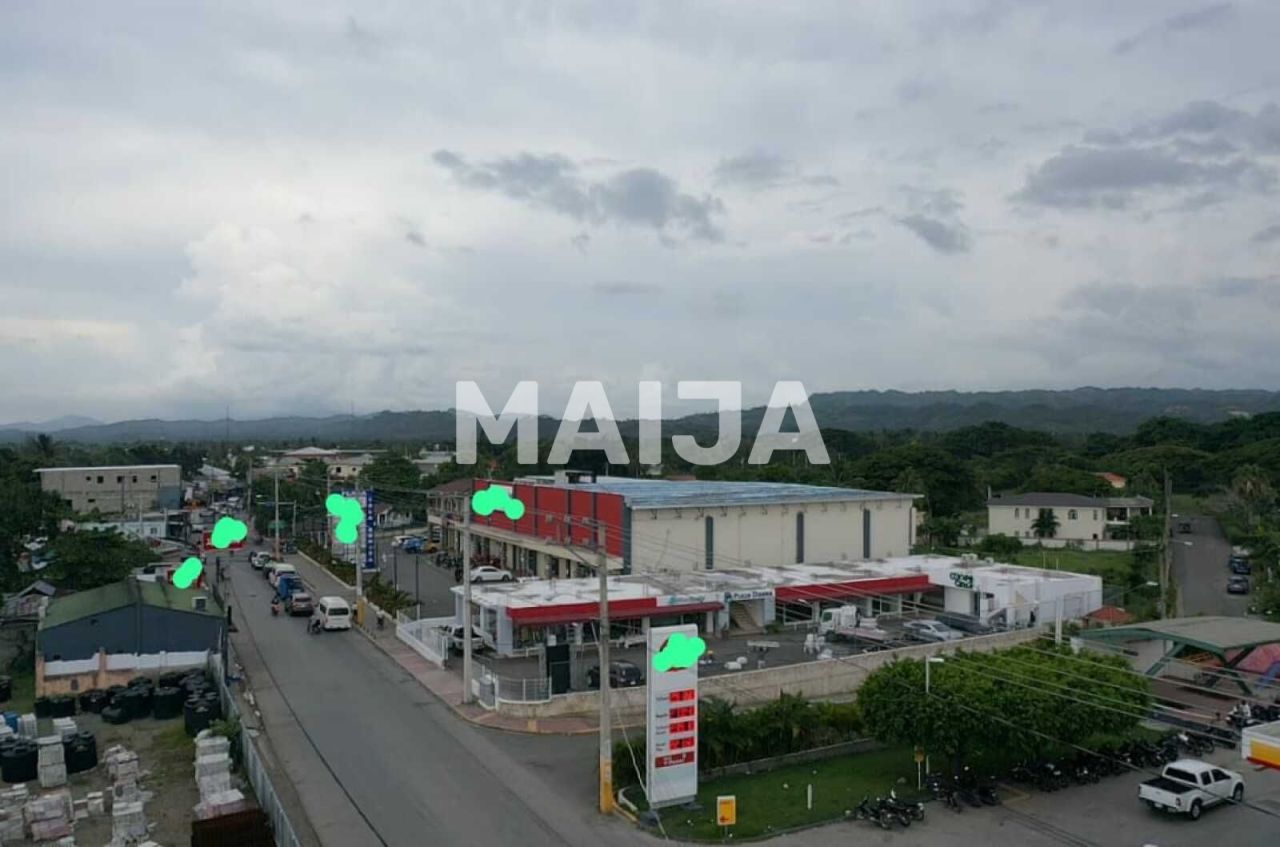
x,y
313,626
868,811
943,791
275,607
914,810
894,811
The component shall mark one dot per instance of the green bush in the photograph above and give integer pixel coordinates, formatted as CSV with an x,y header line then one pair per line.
x,y
999,545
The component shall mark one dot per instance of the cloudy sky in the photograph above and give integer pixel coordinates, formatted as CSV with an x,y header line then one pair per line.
x,y
310,207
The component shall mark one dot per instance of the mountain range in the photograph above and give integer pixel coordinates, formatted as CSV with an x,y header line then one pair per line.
x,y
1074,411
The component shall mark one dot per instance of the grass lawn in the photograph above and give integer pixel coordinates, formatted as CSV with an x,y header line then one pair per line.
x,y
23,696
1112,565
764,803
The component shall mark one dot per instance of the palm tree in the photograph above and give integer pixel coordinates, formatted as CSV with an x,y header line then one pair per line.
x,y
43,446
1252,487
1045,524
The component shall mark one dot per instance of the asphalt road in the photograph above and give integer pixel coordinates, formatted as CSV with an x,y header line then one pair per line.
x,y
408,769
1200,570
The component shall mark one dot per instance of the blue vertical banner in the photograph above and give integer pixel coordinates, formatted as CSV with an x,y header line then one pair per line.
x,y
370,521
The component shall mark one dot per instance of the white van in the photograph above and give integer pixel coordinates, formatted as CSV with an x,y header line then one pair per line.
x,y
334,613
277,569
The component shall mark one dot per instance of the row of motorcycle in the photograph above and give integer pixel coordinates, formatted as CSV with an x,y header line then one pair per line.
x,y
954,792
1090,767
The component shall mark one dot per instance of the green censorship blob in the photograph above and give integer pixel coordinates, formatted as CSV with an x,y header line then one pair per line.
x,y
349,514
489,500
228,531
679,652
188,572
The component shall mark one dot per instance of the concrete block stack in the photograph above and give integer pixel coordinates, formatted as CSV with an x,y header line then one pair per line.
x,y
49,816
213,777
64,728
95,803
13,822
128,823
5,730
27,725
53,764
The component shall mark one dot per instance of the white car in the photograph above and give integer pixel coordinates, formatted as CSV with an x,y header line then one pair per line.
x,y
258,558
488,573
277,569
930,630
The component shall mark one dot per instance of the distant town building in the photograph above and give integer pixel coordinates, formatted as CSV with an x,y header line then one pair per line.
x,y
429,462
115,489
1090,521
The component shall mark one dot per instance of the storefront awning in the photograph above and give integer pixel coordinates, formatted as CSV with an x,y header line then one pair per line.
x,y
618,610
852,589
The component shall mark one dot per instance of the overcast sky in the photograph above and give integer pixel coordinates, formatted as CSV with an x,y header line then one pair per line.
x,y
309,207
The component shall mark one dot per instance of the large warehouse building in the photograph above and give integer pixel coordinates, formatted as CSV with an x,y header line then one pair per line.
x,y
114,489
660,526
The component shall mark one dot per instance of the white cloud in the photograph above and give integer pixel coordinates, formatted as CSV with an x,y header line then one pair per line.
x,y
248,210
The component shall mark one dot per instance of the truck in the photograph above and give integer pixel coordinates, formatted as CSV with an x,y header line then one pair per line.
x,y
847,623
1189,786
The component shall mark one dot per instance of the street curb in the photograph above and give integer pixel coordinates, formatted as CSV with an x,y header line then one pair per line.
x,y
330,573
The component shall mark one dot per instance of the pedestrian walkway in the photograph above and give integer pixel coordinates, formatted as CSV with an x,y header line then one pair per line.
x,y
446,684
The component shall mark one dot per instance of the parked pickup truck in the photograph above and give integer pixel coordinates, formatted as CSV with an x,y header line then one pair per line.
x,y
1189,786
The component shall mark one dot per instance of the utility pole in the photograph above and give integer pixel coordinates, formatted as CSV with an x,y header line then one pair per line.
x,y
466,601
606,714
1166,561
276,505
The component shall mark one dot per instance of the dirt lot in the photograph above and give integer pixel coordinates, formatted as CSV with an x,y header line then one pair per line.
x,y
166,757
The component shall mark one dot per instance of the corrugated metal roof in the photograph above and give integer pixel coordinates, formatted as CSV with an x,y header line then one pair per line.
x,y
109,468
1211,633
663,493
1048,499
127,592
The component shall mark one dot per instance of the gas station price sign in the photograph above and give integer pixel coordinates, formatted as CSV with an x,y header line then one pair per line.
x,y
671,737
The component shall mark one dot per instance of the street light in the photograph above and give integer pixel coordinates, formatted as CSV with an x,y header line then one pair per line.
x,y
928,662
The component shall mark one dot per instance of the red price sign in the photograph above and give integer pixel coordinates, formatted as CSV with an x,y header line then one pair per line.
x,y
683,743
683,695
674,759
683,726
683,712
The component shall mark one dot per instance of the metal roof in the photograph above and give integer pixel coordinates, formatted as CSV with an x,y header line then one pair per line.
x,y
109,468
1215,634
669,494
1049,498
126,592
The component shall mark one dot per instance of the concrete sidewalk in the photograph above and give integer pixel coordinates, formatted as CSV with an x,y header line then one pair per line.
x,y
444,684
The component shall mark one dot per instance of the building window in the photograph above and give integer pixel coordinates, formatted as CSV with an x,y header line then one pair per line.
x,y
1017,513
799,537
99,480
153,477
88,479
135,479
710,524
120,478
1072,514
92,500
1095,514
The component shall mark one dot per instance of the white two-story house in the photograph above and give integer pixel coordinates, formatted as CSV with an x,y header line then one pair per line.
x,y
1097,522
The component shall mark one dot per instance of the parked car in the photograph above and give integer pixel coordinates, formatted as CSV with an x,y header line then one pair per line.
x,y
1238,585
268,568
279,569
334,613
414,544
964,623
1239,565
930,630
402,540
1184,527
455,639
259,558
299,603
622,674
488,573
1189,786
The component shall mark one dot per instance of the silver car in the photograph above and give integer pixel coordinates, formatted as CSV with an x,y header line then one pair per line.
x,y
930,630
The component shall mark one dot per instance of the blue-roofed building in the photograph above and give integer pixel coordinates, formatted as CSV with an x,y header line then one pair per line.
x,y
667,526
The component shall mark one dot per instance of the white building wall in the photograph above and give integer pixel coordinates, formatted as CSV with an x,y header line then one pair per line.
x,y
1018,521
675,539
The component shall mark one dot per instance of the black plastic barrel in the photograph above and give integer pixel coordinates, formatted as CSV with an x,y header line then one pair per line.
x,y
62,706
43,707
197,718
18,762
167,703
115,715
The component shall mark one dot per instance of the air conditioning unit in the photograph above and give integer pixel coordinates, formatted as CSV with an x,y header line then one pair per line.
x,y
200,604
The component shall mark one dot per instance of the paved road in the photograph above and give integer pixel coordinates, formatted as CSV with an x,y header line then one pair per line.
x,y
1200,570
407,768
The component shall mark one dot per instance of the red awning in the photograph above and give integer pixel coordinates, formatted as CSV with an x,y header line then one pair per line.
x,y
620,610
853,588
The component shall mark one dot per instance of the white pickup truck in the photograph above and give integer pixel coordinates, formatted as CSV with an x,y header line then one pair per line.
x,y
1189,786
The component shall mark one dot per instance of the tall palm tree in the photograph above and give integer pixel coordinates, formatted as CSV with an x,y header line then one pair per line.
x,y
1045,524
43,446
